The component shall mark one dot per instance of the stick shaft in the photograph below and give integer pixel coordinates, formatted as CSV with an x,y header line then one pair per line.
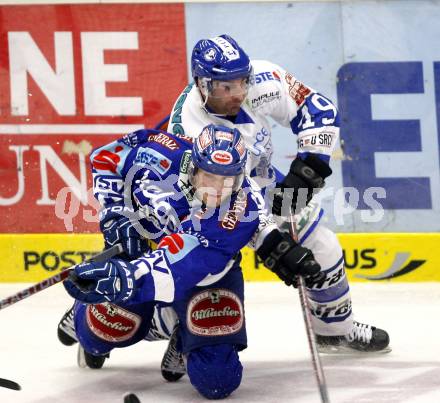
x,y
305,306
42,285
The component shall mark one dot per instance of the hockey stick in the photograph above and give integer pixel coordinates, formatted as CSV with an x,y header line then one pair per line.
x,y
104,255
316,361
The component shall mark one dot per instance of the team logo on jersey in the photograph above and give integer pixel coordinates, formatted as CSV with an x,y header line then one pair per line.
x,y
297,90
210,54
111,322
214,312
222,157
205,139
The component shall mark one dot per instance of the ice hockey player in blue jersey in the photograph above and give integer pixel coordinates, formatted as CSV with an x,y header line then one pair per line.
x,y
194,199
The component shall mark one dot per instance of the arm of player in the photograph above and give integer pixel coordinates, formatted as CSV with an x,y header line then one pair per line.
x,y
315,120
111,166
310,115
179,264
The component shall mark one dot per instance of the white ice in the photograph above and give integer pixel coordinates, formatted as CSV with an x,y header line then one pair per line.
x,y
277,366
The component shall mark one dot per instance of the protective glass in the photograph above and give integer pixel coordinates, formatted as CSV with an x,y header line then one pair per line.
x,y
230,88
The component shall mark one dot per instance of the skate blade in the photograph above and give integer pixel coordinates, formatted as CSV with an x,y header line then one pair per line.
x,y
80,357
343,350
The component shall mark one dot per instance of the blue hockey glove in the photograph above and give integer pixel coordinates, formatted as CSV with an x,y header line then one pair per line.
x,y
97,282
117,228
304,178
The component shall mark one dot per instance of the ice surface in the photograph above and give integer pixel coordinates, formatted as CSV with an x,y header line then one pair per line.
x,y
277,363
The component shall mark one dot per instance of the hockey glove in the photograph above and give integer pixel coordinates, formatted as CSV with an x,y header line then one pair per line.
x,y
117,228
97,282
298,185
287,259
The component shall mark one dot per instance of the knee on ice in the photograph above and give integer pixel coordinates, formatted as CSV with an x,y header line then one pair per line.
x,y
215,371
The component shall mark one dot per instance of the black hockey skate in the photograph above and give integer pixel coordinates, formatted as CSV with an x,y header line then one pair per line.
x,y
173,365
92,361
66,329
67,336
362,338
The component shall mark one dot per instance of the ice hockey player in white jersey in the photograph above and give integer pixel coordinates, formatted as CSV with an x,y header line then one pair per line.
x,y
231,90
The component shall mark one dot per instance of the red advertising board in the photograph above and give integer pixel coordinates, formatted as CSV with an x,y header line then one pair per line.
x,y
73,77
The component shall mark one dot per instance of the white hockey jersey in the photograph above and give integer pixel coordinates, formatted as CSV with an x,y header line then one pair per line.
x,y
278,95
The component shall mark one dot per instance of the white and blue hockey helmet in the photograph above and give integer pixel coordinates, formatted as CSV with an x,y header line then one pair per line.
x,y
220,150
219,158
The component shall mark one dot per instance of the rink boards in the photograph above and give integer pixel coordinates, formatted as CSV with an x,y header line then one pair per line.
x,y
373,257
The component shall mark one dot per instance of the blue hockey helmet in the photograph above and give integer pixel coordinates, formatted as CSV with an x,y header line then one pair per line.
x,y
220,58
220,150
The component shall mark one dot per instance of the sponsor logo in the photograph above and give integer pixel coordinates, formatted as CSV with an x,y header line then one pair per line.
x,y
183,137
174,243
226,47
185,161
109,183
232,216
321,139
164,140
214,312
153,158
224,136
52,261
297,90
266,76
106,160
402,264
210,54
332,312
112,323
222,157
264,98
262,142
205,139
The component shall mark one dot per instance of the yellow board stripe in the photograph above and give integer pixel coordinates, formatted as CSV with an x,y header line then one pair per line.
x,y
396,257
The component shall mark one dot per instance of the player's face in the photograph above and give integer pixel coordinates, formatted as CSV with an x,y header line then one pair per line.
x,y
212,189
226,97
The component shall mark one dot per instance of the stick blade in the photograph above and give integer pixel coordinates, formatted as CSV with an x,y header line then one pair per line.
x,y
6,383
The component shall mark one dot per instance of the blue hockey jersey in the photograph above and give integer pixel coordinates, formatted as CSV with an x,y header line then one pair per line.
x,y
147,172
